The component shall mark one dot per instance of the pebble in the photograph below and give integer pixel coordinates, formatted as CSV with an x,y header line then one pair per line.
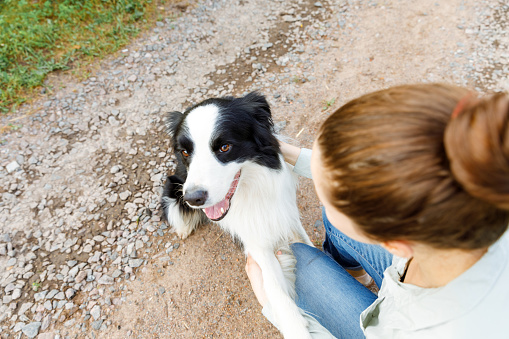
x,y
70,322
105,280
73,272
11,262
96,325
60,296
16,294
115,169
113,122
81,276
70,293
31,329
124,195
52,294
135,262
26,306
12,166
95,312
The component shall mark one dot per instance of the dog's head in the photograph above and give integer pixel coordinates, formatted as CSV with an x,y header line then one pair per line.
x,y
214,140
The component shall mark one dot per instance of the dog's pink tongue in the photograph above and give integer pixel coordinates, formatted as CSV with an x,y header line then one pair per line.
x,y
217,211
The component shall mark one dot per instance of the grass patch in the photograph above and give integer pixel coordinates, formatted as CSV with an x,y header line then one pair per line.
x,y
38,37
328,103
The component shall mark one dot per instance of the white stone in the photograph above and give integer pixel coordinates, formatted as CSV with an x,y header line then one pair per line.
x,y
13,166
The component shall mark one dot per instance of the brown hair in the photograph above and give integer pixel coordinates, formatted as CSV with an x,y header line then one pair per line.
x,y
402,169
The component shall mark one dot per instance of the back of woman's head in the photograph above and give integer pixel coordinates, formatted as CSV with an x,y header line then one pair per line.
x,y
403,169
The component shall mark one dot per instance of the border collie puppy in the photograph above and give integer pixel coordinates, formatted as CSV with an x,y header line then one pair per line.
x,y
230,170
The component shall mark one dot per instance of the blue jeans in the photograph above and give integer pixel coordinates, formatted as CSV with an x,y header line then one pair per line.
x,y
326,291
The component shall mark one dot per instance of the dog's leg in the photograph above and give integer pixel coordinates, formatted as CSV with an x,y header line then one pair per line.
x,y
181,217
303,237
286,313
287,262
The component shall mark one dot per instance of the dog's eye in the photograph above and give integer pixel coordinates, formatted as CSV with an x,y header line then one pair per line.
x,y
185,153
225,148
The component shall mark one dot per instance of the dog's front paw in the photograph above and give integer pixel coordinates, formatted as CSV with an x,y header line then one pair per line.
x,y
182,232
296,332
294,325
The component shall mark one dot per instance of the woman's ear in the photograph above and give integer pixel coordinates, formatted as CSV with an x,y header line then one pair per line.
x,y
399,248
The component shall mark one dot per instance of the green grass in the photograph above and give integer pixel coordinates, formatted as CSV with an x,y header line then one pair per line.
x,y
328,103
41,36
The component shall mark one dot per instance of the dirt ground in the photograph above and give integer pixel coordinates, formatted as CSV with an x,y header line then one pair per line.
x,y
307,57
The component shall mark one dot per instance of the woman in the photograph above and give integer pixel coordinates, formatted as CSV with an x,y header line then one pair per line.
x,y
414,182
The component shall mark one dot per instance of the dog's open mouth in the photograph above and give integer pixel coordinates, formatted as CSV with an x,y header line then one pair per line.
x,y
219,210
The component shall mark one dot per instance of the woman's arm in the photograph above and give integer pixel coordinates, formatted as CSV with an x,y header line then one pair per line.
x,y
290,152
300,158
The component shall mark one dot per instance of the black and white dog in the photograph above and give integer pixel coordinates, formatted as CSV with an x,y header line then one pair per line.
x,y
230,170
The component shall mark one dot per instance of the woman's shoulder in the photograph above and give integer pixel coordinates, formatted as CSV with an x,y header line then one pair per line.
x,y
471,306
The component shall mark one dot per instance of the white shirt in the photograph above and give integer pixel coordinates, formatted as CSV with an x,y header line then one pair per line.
x,y
472,306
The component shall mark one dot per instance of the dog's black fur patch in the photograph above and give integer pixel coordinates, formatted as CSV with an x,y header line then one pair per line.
x,y
245,123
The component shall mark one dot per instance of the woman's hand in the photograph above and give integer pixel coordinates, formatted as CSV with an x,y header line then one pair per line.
x,y
290,152
254,274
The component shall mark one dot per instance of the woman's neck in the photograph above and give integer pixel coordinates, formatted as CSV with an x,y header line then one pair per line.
x,y
432,267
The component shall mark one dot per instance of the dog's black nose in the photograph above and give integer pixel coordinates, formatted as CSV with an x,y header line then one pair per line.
x,y
196,198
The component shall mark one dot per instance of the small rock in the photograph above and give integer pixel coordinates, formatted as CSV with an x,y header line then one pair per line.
x,y
70,293
16,294
40,296
105,280
25,307
132,78
115,169
318,224
135,262
60,296
73,271
279,126
51,294
13,166
32,329
18,327
81,276
113,198
33,160
289,18
318,4
124,195
95,312
70,322
96,325
113,122
46,335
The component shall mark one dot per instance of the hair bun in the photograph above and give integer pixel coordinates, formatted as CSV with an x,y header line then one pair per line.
x,y
477,145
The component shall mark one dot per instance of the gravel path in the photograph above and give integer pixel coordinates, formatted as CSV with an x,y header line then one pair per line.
x,y
83,252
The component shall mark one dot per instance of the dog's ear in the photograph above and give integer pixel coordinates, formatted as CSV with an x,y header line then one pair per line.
x,y
259,108
172,120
